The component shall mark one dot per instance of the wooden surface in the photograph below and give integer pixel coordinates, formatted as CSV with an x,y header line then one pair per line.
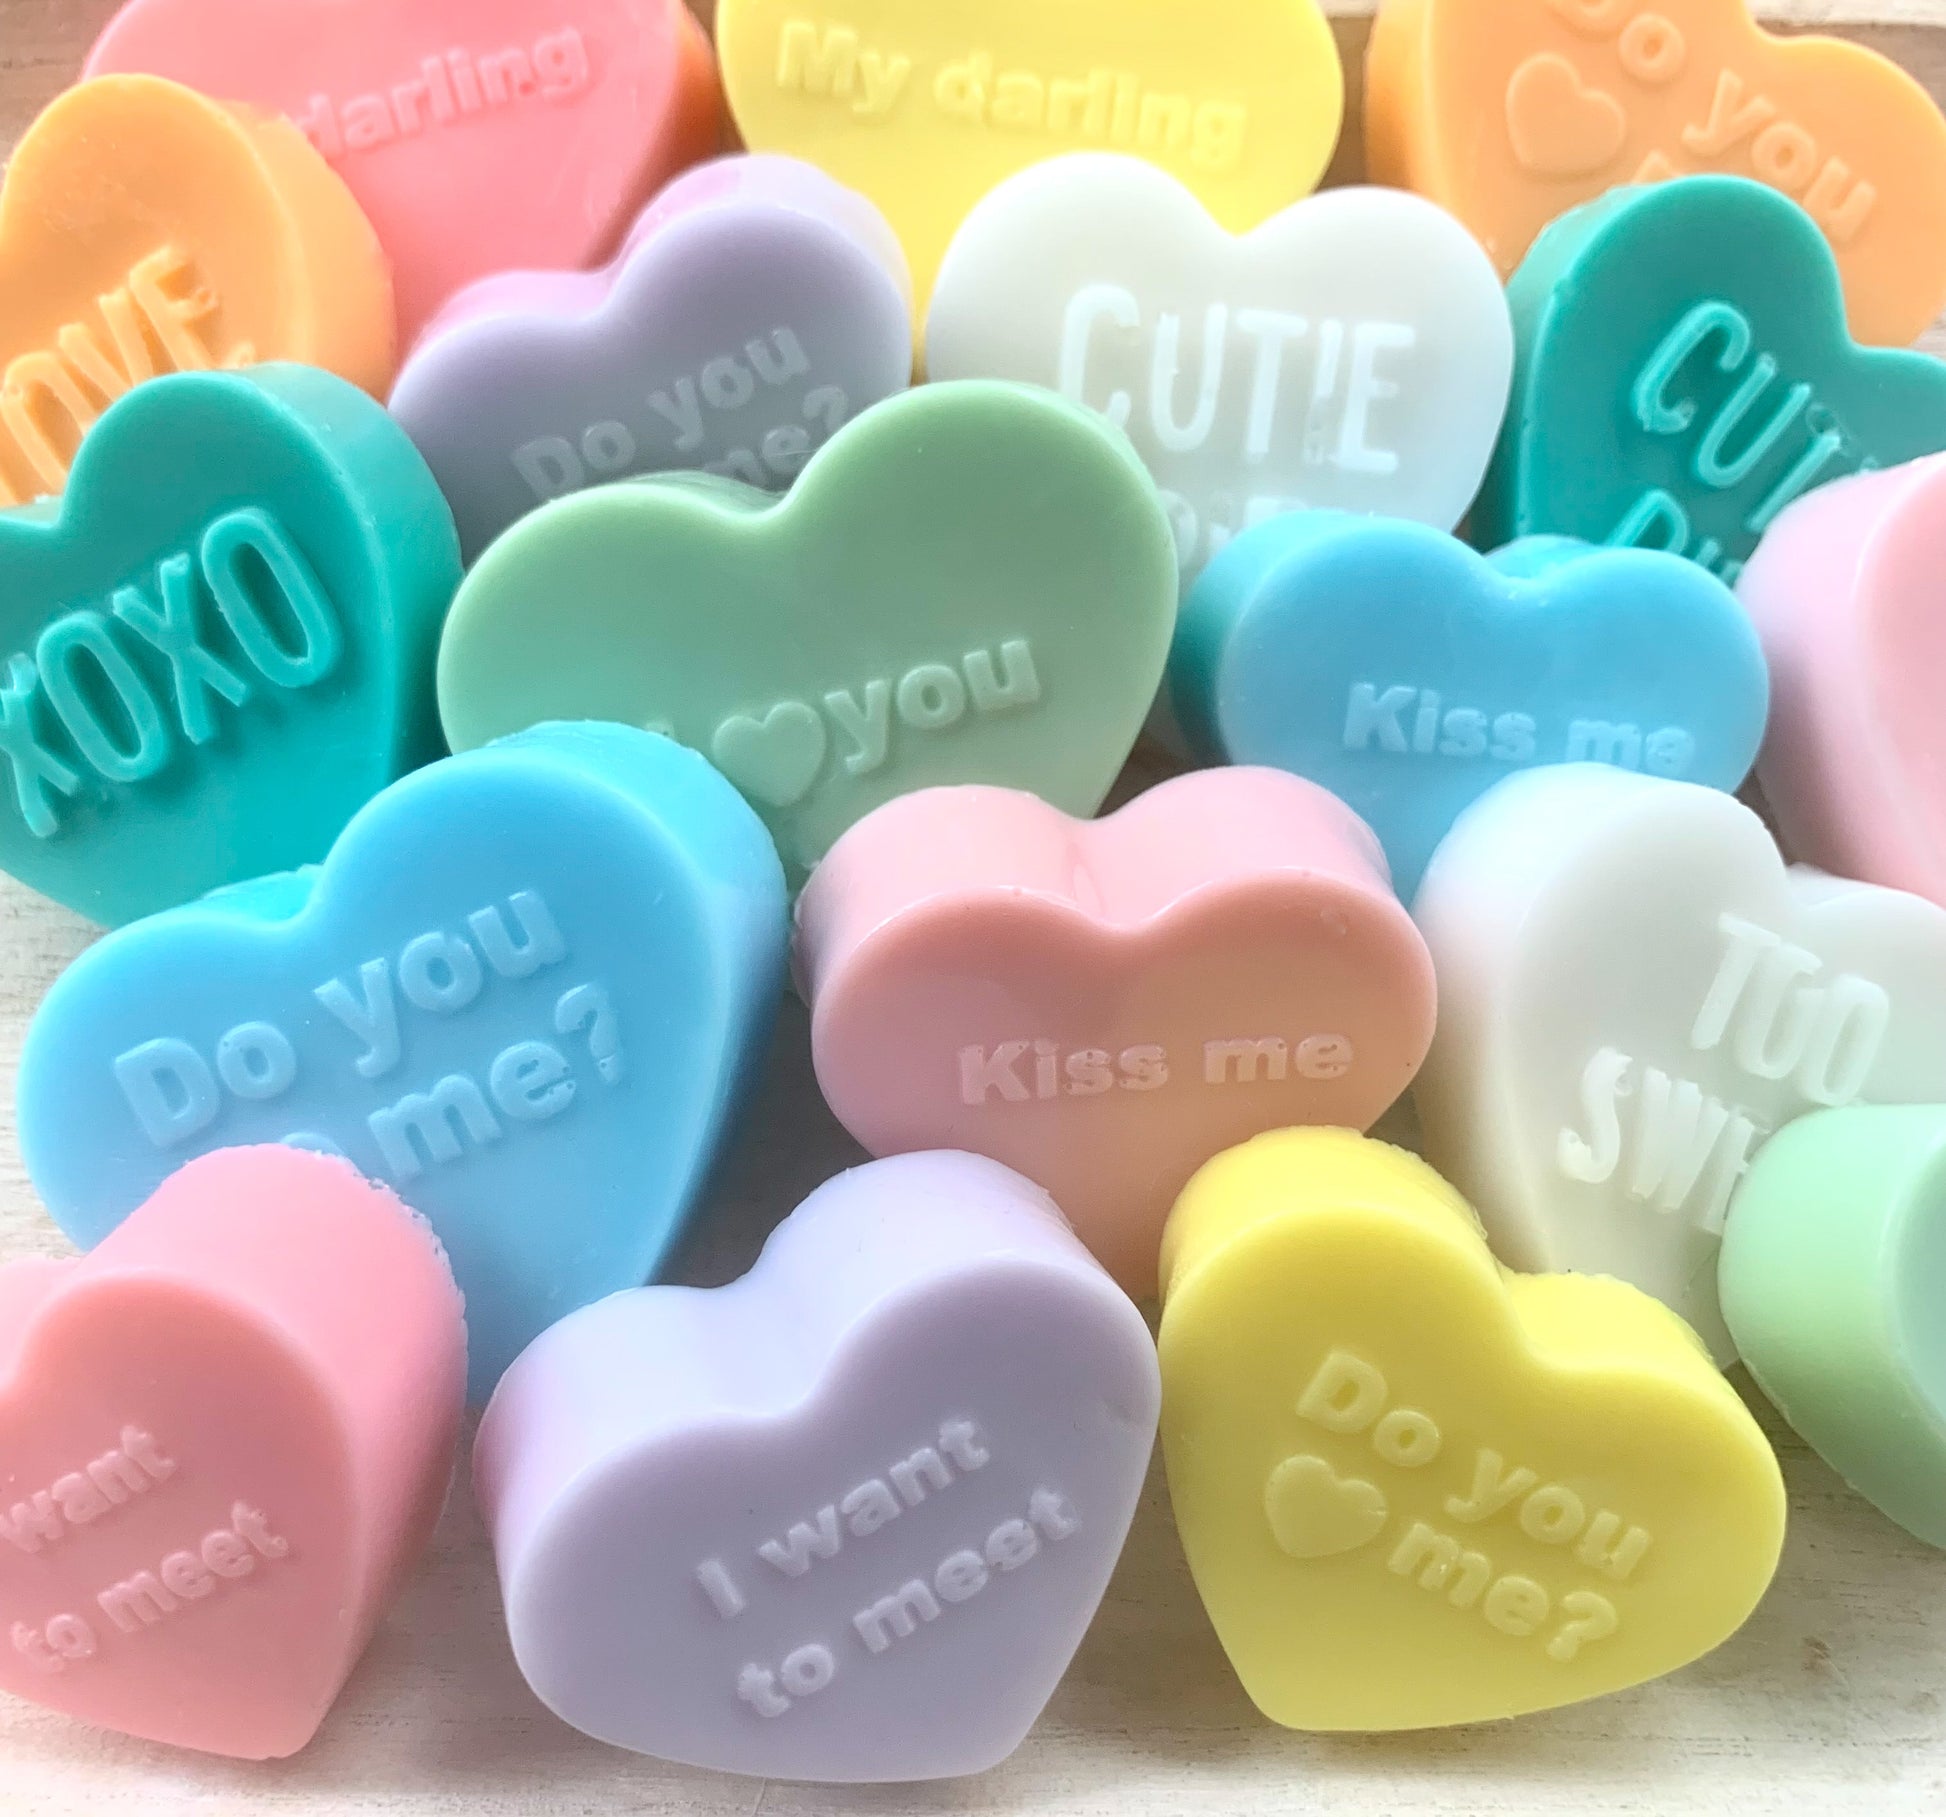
x,y
1832,1700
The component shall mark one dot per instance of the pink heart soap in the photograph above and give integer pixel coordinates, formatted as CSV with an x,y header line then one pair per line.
x,y
478,135
1104,1005
1848,591
844,1520
225,1435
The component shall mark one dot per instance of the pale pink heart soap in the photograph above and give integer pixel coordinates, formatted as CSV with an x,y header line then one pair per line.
x,y
225,1436
1848,591
1104,1005
478,135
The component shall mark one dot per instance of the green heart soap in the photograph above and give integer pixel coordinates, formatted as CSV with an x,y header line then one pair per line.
x,y
971,583
217,646
1683,372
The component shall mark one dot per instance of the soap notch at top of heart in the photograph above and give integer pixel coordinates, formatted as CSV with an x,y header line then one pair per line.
x,y
1511,112
477,135
925,105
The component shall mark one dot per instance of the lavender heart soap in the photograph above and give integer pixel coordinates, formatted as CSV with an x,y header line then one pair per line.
x,y
845,1520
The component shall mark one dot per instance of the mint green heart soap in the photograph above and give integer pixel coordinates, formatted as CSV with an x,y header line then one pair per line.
x,y
1683,372
217,646
1833,1281
970,583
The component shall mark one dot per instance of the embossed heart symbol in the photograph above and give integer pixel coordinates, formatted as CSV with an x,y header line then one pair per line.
x,y
968,583
217,649
1316,1513
1662,89
478,135
145,229
1415,1489
1104,1004
776,758
1560,127
534,976
868,1551
1684,375
1633,995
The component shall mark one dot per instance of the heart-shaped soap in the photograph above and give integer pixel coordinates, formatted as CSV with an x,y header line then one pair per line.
x,y
218,647
1352,352
1846,593
227,1434
1633,994
1416,1490
844,1520
1510,112
144,229
970,583
756,308
1409,675
525,990
478,135
1830,1273
1684,374
1106,1004
925,105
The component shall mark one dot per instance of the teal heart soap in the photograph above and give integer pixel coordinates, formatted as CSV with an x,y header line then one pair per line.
x,y
1683,372
218,645
1830,1275
971,583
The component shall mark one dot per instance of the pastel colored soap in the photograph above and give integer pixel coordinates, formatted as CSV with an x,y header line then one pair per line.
x,y
1634,994
1684,375
525,990
228,1434
144,229
1417,1490
1511,112
1845,591
756,308
925,105
1104,1005
1830,1274
218,647
845,1520
970,583
1409,675
478,135
1353,351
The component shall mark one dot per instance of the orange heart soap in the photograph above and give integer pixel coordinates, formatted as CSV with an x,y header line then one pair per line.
x,y
1511,112
145,229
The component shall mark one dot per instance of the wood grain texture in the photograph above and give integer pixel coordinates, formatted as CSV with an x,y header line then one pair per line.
x,y
1829,1702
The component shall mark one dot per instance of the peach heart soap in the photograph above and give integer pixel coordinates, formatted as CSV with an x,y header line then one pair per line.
x,y
1831,1283
1416,1490
478,135
1103,1005
844,1520
970,583
218,646
227,1433
525,990
1511,112
1846,593
1633,994
1408,675
756,308
1684,374
925,105
1353,351
144,229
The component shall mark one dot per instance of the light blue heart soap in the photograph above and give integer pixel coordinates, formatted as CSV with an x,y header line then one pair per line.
x,y
1408,674
526,990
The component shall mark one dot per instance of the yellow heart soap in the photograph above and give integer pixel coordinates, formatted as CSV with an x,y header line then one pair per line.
x,y
926,105
1416,1489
